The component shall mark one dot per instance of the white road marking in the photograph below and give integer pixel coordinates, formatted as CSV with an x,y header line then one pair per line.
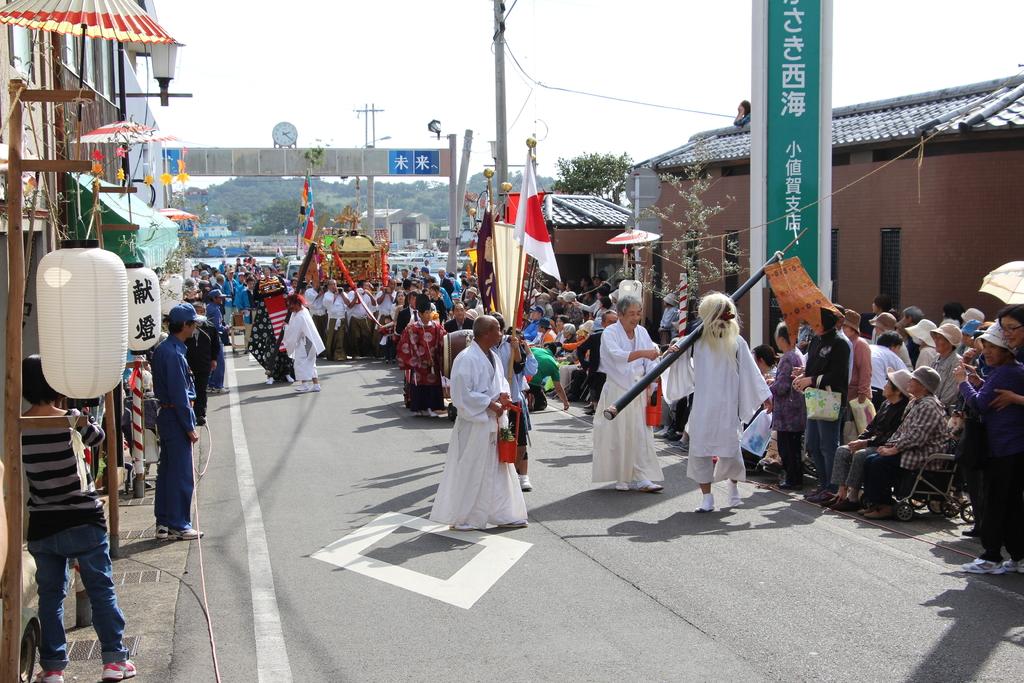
x,y
271,653
462,589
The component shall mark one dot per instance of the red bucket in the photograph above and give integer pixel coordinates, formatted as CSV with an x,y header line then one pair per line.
x,y
653,408
507,450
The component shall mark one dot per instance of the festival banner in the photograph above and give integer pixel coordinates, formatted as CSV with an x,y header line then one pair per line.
x,y
799,298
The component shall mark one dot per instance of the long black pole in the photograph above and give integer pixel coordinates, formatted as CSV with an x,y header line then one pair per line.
x,y
683,346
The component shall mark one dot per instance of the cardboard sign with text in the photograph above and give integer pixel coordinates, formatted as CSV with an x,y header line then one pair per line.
x,y
799,298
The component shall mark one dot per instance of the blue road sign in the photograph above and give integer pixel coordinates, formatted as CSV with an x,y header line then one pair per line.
x,y
414,162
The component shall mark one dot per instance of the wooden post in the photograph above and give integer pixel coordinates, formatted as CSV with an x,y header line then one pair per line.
x,y
113,489
11,538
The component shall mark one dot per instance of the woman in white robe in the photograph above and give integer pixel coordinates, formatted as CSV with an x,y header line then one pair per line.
x,y
728,388
303,343
476,489
624,449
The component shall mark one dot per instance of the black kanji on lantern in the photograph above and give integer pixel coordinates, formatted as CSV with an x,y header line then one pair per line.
x,y
142,290
145,328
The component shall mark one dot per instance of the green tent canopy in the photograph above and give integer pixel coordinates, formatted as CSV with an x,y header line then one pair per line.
x,y
156,238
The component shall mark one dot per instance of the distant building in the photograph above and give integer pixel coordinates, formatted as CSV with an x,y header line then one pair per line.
x,y
922,230
404,227
580,226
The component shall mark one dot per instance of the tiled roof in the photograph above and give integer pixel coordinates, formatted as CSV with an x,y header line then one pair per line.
x,y
584,211
991,105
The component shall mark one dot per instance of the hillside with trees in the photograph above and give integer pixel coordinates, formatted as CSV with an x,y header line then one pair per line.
x,y
270,205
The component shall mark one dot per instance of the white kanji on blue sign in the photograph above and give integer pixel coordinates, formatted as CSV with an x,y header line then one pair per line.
x,y
414,162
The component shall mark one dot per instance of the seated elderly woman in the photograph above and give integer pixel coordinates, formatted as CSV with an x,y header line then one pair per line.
x,y
922,433
848,469
1002,522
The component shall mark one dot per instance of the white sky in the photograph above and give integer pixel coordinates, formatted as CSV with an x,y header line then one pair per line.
x,y
250,64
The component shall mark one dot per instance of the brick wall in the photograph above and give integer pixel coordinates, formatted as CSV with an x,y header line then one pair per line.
x,y
969,219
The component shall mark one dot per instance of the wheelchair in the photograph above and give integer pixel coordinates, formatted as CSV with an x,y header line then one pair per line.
x,y
932,486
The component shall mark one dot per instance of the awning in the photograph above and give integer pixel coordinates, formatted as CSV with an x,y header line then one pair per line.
x,y
156,238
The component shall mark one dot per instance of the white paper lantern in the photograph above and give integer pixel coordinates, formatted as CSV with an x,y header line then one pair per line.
x,y
83,319
172,291
143,308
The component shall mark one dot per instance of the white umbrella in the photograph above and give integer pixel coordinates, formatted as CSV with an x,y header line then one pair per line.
x,y
1006,282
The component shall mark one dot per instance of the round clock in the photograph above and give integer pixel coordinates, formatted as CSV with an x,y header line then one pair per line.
x,y
285,134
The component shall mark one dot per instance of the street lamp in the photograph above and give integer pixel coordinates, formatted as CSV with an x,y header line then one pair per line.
x,y
164,62
164,57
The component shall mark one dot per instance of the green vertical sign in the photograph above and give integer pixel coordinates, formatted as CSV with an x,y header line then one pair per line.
x,y
793,94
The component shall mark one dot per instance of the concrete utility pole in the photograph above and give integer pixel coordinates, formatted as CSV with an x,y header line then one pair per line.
x,y
453,193
455,229
501,132
369,112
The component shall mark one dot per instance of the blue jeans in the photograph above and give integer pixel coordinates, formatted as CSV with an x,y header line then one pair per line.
x,y
822,440
88,544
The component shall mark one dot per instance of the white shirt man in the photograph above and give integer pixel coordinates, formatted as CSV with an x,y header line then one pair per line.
x,y
476,489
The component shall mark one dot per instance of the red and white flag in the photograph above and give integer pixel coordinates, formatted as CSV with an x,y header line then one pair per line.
x,y
531,231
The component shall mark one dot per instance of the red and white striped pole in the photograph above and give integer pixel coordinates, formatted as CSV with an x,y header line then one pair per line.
x,y
683,305
138,437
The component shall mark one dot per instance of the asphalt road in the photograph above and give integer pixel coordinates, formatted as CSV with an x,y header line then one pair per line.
x,y
613,586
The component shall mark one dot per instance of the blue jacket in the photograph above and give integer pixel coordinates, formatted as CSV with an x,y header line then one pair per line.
x,y
242,296
172,381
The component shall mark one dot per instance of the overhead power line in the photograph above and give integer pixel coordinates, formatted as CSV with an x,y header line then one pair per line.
x,y
606,97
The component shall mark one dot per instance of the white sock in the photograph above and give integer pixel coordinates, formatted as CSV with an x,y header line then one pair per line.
x,y
708,503
734,493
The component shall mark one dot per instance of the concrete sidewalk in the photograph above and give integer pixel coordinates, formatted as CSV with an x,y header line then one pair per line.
x,y
148,575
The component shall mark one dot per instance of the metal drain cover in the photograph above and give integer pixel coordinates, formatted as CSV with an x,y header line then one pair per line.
x,y
84,650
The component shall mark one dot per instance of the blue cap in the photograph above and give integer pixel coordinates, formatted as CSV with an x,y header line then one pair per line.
x,y
537,309
215,294
184,313
971,326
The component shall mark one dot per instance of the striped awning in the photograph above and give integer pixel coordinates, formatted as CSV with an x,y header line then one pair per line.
x,y
121,20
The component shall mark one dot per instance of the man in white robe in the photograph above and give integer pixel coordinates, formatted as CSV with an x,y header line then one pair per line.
x,y
476,489
303,343
624,449
728,388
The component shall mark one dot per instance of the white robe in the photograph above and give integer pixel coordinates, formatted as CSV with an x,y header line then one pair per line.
x,y
303,344
475,488
624,447
728,390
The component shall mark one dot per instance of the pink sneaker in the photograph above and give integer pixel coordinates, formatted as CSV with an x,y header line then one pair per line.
x,y
49,677
118,671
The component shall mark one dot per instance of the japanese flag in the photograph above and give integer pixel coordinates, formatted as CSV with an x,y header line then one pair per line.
x,y
531,231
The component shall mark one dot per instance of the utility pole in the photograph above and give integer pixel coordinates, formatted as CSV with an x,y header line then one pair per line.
x,y
369,112
501,132
455,229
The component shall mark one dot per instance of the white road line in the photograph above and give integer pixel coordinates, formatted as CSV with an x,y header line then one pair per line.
x,y
271,653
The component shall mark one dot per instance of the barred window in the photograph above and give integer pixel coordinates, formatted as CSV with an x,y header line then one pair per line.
x,y
835,264
890,265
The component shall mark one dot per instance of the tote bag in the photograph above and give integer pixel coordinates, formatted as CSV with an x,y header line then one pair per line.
x,y
757,434
822,404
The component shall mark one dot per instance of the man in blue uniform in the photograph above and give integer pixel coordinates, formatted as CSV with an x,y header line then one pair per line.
x,y
172,383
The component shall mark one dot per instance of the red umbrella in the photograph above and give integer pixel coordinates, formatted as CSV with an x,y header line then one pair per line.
x,y
179,215
633,237
121,20
126,132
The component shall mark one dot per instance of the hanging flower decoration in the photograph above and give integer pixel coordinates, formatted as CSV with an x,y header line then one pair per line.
x,y
182,178
181,166
122,152
120,175
166,178
97,163
148,180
